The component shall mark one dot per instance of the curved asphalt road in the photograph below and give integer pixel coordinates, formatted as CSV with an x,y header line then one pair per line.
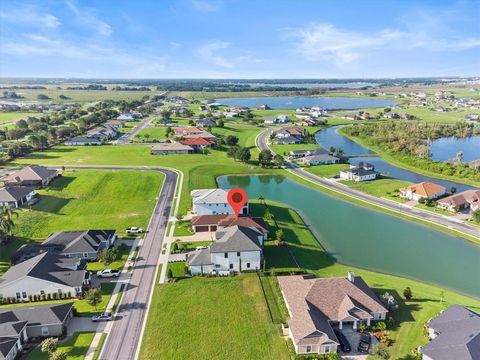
x,y
124,336
262,144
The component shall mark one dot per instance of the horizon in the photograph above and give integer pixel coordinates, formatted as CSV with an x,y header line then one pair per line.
x,y
215,39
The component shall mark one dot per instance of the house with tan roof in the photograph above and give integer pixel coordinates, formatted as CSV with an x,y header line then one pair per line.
x,y
318,306
213,202
34,175
425,190
205,223
463,200
171,148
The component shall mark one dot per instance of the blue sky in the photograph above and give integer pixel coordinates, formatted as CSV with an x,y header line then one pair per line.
x,y
239,38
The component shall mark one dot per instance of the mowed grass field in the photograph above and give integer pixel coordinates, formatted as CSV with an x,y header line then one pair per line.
x,y
407,329
327,171
5,117
76,347
211,318
86,199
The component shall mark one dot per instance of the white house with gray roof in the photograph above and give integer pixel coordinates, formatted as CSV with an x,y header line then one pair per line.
x,y
236,249
213,202
454,334
44,274
15,196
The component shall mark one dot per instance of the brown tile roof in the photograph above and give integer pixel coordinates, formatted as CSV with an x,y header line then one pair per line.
x,y
314,302
425,188
226,220
207,219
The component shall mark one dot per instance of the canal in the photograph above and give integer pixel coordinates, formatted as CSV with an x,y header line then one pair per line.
x,y
361,237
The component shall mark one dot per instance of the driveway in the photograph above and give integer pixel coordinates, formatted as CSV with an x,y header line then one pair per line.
x,y
83,324
353,338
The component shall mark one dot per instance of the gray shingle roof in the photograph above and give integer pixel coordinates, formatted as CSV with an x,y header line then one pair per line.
x,y
6,345
46,266
14,193
236,238
209,196
38,315
459,335
80,241
29,173
199,257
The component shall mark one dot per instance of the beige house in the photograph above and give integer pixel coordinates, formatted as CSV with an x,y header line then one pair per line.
x,y
317,306
171,148
426,190
463,200
34,175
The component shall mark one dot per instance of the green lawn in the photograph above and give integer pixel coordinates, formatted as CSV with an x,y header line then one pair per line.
x,y
383,187
155,133
182,228
123,251
191,245
408,331
87,199
284,150
211,318
9,116
85,309
76,347
327,171
178,268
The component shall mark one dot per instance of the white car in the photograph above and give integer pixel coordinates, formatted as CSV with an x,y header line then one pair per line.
x,y
108,273
201,247
106,316
135,230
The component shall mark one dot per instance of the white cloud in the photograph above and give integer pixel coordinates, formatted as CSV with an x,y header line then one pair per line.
x,y
30,15
205,5
222,54
88,17
325,42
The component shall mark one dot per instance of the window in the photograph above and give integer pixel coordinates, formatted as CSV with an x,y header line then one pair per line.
x,y
327,349
217,265
18,295
248,265
59,291
24,294
45,330
309,349
85,255
238,253
42,292
231,266
225,255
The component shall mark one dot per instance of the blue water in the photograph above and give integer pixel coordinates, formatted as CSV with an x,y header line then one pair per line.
x,y
446,148
330,137
366,238
295,102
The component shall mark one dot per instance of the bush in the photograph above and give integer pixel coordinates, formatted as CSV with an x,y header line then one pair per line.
x,y
407,293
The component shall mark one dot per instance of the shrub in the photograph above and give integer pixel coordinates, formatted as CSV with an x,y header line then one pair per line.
x,y
407,293
49,345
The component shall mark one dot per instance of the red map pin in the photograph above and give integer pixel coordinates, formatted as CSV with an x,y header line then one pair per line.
x,y
237,198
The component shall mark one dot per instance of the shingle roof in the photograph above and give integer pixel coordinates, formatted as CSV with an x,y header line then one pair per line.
x,y
80,241
459,335
199,257
39,314
470,196
14,193
320,157
209,196
171,147
29,173
6,345
46,266
236,238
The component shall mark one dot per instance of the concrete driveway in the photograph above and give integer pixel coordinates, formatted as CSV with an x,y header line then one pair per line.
x,y
82,324
353,338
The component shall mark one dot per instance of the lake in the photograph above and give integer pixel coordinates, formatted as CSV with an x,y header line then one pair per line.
x,y
330,137
295,102
373,240
446,148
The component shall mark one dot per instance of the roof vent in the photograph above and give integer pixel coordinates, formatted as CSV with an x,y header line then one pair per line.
x,y
351,276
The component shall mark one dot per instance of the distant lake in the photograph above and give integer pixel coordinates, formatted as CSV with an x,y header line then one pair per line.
x,y
295,102
446,148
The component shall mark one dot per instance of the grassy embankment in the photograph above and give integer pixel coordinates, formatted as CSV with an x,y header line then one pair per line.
x,y
6,117
407,329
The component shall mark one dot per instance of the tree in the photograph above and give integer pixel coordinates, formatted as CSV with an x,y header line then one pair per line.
x,y
243,154
93,297
170,274
6,222
168,132
264,157
278,160
58,355
220,123
407,293
49,345
231,140
362,327
453,189
108,256
174,247
380,351
476,216
233,152
147,136
280,235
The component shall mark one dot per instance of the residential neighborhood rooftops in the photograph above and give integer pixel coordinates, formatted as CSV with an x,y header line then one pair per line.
x,y
171,147
29,173
209,196
226,220
236,238
425,188
14,193
83,241
36,315
459,199
457,335
199,257
199,141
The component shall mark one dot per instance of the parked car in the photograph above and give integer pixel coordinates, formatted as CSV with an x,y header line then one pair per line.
x,y
365,342
107,273
106,316
344,344
201,247
134,230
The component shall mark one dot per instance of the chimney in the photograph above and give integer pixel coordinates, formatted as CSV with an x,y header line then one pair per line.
x,y
351,276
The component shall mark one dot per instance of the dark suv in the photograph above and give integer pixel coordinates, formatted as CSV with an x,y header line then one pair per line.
x,y
344,344
365,342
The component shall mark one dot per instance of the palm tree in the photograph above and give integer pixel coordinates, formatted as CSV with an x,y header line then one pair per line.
x,y
6,222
